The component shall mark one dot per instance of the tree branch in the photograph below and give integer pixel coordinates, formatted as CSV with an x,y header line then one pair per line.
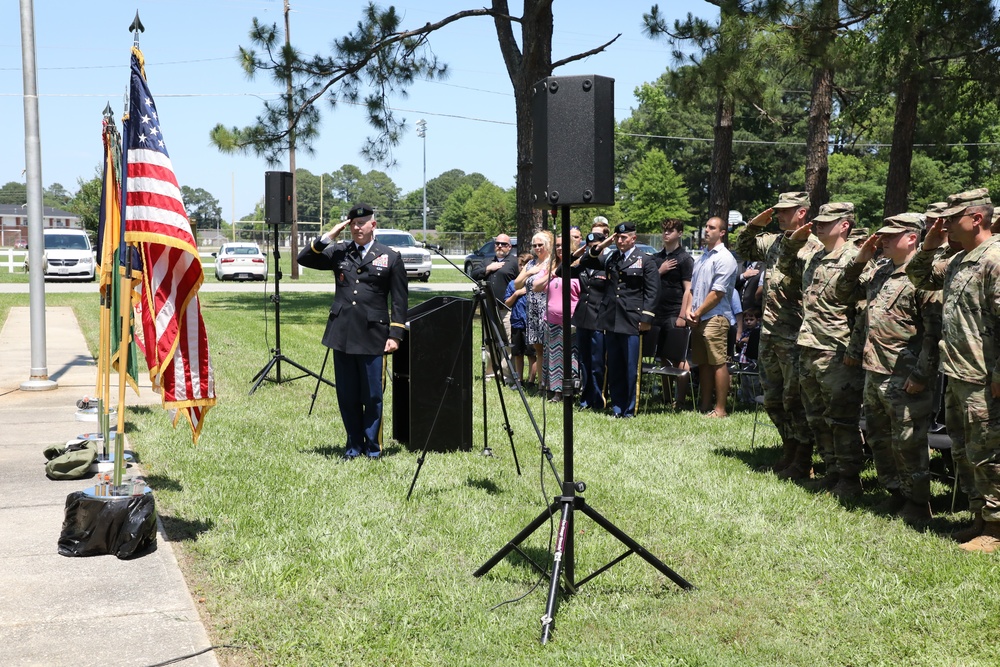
x,y
586,54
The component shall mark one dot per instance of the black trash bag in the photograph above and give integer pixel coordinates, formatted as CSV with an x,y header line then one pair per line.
x,y
123,526
70,462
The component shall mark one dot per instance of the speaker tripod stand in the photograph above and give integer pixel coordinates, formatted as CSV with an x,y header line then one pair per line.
x,y
563,561
276,356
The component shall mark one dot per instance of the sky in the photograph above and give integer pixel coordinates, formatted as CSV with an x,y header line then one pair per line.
x,y
82,61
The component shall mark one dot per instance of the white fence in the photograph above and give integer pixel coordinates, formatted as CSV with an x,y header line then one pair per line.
x,y
12,260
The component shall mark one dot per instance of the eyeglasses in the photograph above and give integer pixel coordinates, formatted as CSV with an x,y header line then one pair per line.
x,y
537,245
501,244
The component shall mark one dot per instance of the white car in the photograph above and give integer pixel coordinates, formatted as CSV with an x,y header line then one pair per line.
x,y
417,260
240,261
68,255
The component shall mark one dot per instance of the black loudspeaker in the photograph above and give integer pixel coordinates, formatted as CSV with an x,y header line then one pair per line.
x,y
429,383
573,144
278,197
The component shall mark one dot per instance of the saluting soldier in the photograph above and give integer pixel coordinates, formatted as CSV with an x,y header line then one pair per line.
x,y
627,311
970,355
589,334
830,381
779,353
900,359
360,330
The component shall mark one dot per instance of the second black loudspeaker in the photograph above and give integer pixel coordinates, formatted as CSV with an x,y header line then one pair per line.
x,y
573,141
278,187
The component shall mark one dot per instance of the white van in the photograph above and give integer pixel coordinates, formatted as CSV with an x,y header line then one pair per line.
x,y
68,255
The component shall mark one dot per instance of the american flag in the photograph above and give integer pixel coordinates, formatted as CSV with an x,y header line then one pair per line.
x,y
176,343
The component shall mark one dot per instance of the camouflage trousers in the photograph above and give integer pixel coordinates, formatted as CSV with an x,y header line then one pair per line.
x,y
974,415
831,395
897,433
779,373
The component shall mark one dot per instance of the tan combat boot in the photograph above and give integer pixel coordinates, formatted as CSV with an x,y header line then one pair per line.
x,y
986,543
975,530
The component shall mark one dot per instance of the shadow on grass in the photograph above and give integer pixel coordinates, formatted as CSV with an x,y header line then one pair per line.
x,y
337,452
184,530
485,484
163,483
755,458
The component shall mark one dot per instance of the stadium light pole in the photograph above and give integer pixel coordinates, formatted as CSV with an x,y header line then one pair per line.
x,y
422,133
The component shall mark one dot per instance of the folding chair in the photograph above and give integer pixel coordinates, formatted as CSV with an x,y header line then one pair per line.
x,y
665,362
745,375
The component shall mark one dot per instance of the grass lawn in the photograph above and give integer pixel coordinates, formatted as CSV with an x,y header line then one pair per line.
x,y
301,559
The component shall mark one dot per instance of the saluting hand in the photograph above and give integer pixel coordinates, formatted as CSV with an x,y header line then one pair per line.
x,y
935,235
868,249
332,235
763,218
802,233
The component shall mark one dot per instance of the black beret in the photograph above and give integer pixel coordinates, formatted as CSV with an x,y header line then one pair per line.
x,y
360,211
625,227
595,236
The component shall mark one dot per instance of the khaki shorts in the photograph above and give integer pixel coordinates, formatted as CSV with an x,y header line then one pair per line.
x,y
708,341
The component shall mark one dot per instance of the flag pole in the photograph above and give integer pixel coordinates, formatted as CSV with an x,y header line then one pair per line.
x,y
105,353
125,299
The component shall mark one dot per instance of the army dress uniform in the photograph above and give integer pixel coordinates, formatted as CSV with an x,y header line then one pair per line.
x,y
831,390
632,289
590,342
970,354
357,329
903,326
778,354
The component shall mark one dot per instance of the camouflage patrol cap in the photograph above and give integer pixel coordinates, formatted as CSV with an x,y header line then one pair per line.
x,y
963,200
792,200
935,210
903,222
834,211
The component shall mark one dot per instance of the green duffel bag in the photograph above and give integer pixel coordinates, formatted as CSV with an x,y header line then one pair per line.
x,y
73,463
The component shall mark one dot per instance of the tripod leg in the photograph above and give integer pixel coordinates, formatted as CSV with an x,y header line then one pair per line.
x,y
490,327
549,619
633,545
262,375
318,381
517,539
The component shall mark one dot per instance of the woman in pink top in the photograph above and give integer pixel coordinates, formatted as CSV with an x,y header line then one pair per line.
x,y
552,366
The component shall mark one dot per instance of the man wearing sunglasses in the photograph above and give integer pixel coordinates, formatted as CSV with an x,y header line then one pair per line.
x,y
498,271
970,355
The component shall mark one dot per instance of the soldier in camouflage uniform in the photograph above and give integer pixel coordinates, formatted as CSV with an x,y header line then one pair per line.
x,y
831,388
903,327
970,355
778,354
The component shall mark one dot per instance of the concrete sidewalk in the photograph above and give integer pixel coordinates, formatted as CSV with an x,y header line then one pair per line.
x,y
61,610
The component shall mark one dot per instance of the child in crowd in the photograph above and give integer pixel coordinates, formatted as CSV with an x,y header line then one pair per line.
x,y
514,298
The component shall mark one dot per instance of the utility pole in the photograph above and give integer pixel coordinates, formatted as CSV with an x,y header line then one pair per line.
x,y
422,133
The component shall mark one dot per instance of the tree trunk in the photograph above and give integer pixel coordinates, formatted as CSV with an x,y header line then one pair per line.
x,y
722,159
818,138
897,183
524,69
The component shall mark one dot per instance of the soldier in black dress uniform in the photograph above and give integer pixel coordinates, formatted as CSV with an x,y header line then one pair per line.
x,y
360,330
627,311
589,331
